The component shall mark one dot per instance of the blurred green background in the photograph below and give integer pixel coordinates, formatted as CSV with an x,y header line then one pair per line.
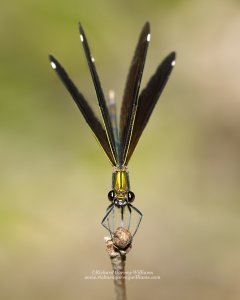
x,y
185,171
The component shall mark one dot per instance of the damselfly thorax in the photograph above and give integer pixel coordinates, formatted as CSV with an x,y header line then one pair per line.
x,y
120,192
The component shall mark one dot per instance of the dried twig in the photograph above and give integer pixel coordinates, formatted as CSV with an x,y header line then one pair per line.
x,y
117,248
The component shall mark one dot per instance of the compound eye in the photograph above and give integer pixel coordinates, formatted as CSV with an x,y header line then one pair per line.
x,y
131,196
111,196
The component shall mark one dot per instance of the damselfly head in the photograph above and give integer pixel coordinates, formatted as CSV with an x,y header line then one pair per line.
x,y
121,198
118,198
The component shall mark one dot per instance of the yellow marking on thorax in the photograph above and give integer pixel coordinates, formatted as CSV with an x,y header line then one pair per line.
x,y
120,184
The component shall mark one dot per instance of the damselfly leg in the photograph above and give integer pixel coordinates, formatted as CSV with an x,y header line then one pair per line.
x,y
127,216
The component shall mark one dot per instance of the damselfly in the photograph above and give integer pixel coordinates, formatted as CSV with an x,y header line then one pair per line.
x,y
119,140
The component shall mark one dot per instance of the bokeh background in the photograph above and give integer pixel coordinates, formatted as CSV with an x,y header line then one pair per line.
x,y
185,171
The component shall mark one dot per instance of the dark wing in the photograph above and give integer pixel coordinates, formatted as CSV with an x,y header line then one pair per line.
x,y
100,95
148,99
85,109
130,98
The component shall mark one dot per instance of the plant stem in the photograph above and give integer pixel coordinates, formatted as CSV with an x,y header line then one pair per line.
x,y
118,258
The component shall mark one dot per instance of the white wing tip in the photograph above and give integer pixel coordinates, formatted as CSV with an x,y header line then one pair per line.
x,y
53,65
148,37
173,63
81,37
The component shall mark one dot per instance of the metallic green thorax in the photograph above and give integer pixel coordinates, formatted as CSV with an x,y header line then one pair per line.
x,y
120,182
